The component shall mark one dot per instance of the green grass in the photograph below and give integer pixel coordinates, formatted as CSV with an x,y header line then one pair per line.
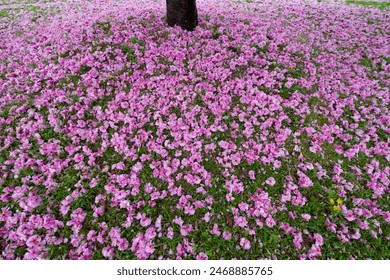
x,y
3,13
380,5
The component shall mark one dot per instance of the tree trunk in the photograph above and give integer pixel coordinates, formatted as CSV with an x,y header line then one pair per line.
x,y
182,13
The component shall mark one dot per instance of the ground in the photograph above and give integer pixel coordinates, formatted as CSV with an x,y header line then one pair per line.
x,y
263,134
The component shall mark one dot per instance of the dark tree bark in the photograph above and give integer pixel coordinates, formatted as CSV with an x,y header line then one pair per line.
x,y
182,13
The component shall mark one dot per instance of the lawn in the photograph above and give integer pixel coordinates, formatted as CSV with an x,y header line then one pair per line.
x,y
263,134
381,5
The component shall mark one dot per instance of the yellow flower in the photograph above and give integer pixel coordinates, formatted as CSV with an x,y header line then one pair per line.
x,y
331,200
111,77
339,201
336,208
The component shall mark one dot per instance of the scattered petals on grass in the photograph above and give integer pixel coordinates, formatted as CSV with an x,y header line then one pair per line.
x,y
262,134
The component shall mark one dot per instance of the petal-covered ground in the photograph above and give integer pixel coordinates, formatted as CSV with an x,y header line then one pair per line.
x,y
262,134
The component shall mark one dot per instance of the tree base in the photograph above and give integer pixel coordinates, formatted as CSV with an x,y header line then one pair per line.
x,y
182,13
